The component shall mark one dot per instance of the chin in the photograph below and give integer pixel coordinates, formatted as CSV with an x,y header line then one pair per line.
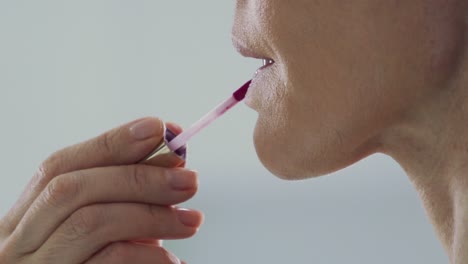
x,y
278,156
289,159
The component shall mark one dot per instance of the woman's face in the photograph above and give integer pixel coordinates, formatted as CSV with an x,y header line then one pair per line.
x,y
344,73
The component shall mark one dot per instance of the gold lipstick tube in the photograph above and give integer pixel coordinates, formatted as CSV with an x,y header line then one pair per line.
x,y
162,156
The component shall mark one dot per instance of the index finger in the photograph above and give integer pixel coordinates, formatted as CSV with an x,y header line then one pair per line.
x,y
123,145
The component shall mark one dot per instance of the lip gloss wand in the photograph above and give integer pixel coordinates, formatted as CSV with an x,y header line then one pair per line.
x,y
211,116
172,151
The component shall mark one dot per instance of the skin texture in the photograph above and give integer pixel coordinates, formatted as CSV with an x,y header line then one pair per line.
x,y
353,78
70,211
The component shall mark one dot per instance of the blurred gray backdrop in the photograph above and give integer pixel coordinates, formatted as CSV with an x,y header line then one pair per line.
x,y
70,70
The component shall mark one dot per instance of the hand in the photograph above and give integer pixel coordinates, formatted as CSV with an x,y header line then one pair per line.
x,y
90,203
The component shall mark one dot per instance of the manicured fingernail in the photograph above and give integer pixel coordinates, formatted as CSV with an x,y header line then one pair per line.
x,y
145,128
188,217
173,258
182,180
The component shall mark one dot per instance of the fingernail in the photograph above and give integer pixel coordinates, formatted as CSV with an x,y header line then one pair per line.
x,y
173,258
188,217
146,128
182,180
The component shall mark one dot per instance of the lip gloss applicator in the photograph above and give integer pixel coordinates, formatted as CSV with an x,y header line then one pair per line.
x,y
172,150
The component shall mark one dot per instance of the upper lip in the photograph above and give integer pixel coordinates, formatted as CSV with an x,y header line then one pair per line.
x,y
246,52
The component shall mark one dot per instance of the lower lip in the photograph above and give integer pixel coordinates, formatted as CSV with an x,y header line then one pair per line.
x,y
259,78
263,68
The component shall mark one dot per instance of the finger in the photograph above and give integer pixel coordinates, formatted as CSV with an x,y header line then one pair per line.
x,y
126,252
126,144
149,242
174,127
95,226
69,192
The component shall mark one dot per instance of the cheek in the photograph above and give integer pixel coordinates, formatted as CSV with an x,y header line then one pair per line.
x,y
296,139
344,83
368,68
446,34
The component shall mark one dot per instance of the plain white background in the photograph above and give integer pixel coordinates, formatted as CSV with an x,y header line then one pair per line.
x,y
70,70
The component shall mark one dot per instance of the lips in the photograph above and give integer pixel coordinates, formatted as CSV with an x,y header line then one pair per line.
x,y
267,63
247,52
256,92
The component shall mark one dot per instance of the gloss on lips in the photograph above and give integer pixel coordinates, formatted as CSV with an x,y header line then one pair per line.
x,y
172,150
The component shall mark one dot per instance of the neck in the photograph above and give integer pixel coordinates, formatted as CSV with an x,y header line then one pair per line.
x,y
431,144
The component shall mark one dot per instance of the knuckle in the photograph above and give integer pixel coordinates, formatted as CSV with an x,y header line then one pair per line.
x,y
115,252
106,142
61,190
83,222
47,170
160,215
124,252
150,210
154,212
51,167
138,178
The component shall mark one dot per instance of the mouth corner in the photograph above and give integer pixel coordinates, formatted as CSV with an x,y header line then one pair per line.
x,y
268,62
250,53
